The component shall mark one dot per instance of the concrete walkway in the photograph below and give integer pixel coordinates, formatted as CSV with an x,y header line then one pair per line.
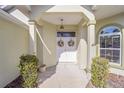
x,y
64,75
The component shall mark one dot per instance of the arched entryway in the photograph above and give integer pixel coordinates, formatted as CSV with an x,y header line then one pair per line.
x,y
63,71
88,18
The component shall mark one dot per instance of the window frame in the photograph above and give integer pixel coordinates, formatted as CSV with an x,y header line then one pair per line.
x,y
111,34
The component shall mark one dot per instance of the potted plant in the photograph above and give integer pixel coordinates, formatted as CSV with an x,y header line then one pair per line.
x,y
42,68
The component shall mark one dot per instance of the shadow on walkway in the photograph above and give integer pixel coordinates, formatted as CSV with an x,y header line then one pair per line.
x,y
47,74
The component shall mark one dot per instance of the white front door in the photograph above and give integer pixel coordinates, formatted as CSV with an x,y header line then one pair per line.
x,y
66,47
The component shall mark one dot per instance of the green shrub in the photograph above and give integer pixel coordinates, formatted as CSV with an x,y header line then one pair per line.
x,y
99,72
28,70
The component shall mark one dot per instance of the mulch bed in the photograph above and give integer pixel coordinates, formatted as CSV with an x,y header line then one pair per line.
x,y
16,83
114,81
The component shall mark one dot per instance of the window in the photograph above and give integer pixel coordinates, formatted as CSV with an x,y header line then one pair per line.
x,y
110,44
65,34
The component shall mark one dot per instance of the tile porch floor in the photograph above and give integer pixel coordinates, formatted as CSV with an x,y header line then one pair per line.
x,y
64,75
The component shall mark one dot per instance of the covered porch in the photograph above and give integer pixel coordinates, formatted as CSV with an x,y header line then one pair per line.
x,y
67,66
44,28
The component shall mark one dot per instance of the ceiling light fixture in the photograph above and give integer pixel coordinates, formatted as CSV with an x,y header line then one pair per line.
x,y
61,26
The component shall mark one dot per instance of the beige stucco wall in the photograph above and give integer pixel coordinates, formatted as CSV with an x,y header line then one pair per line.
x,y
117,20
82,46
13,43
47,47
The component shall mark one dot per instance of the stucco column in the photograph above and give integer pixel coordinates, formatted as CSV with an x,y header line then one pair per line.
x,y
32,38
122,48
91,50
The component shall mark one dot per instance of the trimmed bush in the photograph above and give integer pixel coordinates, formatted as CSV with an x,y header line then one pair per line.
x,y
99,72
28,69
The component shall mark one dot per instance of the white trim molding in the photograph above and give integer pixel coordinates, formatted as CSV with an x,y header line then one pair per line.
x,y
9,17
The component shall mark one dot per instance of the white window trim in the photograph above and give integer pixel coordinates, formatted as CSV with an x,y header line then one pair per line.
x,y
117,33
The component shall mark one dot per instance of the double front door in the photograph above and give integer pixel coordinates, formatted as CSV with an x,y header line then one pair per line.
x,y
66,46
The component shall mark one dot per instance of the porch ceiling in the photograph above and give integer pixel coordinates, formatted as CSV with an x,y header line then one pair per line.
x,y
70,18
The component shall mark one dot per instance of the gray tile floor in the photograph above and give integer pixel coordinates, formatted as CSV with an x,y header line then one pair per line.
x,y
64,75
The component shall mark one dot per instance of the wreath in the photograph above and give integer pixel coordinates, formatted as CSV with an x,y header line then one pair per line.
x,y
61,43
71,43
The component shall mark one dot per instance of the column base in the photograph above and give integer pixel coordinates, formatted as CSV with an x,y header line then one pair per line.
x,y
82,67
